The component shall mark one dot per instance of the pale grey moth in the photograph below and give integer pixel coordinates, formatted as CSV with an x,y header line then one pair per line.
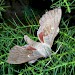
x,y
48,30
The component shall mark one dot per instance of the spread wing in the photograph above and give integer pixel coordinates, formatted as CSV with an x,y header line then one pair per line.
x,y
46,33
20,54
49,26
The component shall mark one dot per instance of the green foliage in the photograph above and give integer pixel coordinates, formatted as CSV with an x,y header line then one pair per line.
x,y
62,63
2,7
68,4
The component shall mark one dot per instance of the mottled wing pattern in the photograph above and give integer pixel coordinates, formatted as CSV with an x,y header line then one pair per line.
x,y
49,26
19,55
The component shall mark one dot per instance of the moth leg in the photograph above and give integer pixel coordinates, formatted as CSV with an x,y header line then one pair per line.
x,y
58,49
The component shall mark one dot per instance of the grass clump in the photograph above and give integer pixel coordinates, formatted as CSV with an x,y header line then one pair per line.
x,y
62,63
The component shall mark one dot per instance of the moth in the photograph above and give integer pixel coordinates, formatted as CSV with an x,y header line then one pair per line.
x,y
48,30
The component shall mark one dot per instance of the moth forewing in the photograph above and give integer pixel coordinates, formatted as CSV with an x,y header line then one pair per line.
x,y
49,25
19,55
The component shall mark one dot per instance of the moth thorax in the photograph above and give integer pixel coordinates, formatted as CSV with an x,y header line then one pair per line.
x,y
44,49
